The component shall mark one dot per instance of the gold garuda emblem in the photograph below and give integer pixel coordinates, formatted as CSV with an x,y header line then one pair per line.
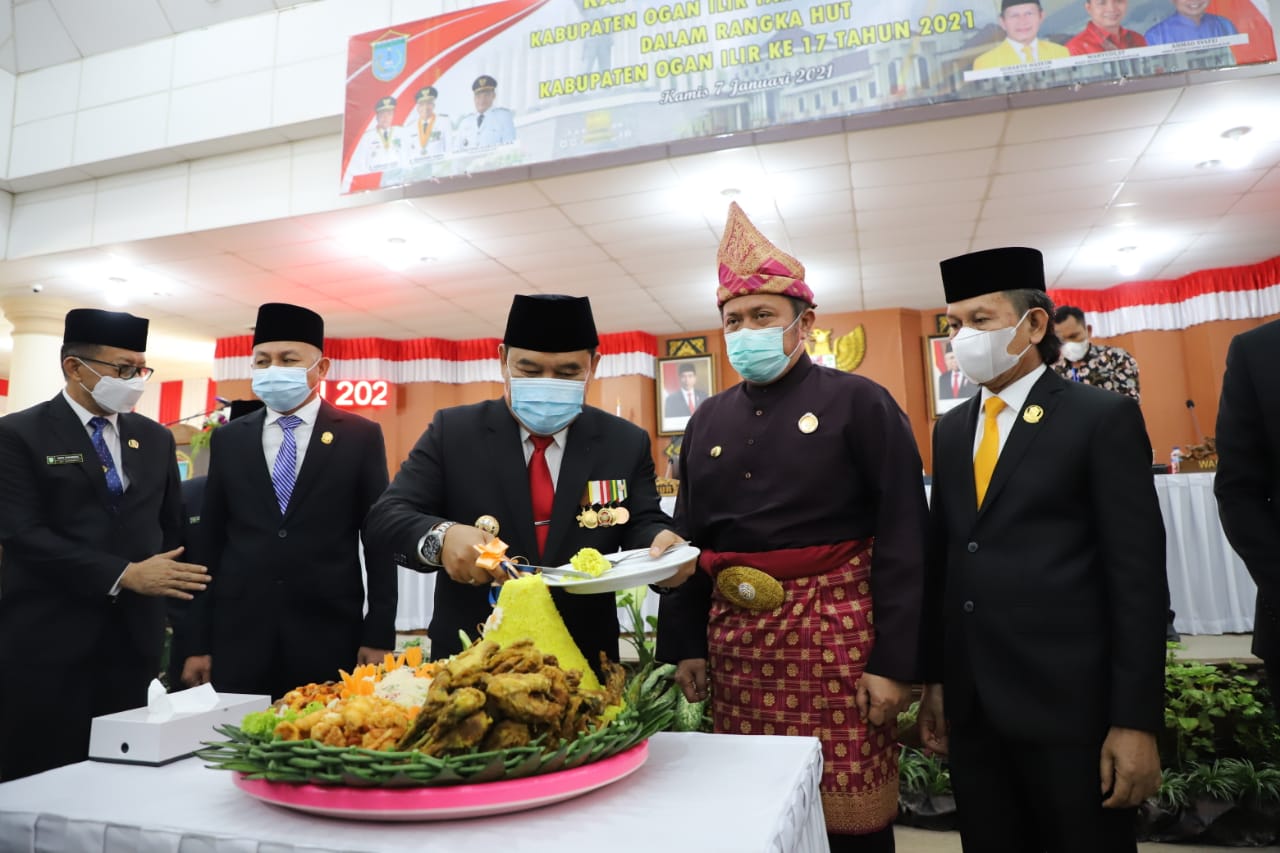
x,y
847,352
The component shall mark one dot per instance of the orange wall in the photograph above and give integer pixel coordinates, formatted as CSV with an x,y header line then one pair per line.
x,y
1174,366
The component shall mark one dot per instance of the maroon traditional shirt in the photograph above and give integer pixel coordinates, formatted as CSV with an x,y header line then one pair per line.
x,y
817,458
1094,39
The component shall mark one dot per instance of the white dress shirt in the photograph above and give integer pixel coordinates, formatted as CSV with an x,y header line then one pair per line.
x,y
555,450
111,435
273,436
1014,397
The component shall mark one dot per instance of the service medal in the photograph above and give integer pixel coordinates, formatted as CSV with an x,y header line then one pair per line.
x,y
621,515
604,517
587,518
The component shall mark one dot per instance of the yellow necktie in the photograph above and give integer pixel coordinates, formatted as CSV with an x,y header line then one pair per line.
x,y
1026,52
984,462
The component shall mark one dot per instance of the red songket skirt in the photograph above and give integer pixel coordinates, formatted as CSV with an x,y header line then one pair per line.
x,y
793,671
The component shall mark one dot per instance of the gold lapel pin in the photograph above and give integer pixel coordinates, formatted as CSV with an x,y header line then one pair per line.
x,y
326,437
715,451
1032,414
133,444
808,422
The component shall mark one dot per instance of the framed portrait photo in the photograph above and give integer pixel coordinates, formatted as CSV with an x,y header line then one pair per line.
x,y
945,385
682,385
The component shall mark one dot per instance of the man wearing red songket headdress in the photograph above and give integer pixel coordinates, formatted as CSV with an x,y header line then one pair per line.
x,y
788,483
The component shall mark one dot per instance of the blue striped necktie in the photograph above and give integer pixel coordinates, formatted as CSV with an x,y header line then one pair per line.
x,y
114,486
285,471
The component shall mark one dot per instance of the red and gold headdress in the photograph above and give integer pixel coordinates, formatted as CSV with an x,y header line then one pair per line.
x,y
749,263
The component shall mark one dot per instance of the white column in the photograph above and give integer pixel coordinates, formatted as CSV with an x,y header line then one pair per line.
x,y
35,371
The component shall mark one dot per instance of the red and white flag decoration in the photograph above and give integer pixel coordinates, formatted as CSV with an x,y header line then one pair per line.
x,y
1230,293
434,359
4,396
178,401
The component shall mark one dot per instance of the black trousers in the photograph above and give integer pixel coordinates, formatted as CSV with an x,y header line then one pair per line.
x,y
1272,668
872,842
46,710
1031,797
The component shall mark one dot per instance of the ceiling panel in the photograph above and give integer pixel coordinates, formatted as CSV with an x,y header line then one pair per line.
x,y
870,213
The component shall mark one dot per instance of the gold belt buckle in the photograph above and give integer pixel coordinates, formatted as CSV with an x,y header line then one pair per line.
x,y
750,589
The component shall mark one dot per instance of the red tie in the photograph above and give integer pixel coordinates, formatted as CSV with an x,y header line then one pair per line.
x,y
955,384
541,489
689,396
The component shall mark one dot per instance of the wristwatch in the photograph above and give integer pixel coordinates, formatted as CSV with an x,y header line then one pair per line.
x,y
430,546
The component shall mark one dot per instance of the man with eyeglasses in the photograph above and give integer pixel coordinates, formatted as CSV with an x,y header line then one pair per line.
x,y
90,521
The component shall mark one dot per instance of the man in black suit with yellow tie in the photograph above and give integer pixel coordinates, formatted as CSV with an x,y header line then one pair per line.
x,y
532,462
90,521
1046,609
1247,484
288,489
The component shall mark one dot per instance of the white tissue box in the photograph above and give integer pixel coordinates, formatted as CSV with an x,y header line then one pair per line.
x,y
131,737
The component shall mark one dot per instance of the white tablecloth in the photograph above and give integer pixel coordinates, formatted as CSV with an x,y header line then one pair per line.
x,y
722,793
1210,589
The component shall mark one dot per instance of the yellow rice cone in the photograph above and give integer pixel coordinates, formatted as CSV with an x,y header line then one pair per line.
x,y
526,611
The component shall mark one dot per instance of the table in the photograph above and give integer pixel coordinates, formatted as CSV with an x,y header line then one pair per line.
x,y
711,793
1209,587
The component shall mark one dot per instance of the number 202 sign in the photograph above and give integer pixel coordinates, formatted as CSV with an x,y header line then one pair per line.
x,y
357,393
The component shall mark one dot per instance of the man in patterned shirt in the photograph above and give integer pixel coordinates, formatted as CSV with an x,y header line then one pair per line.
x,y
1093,364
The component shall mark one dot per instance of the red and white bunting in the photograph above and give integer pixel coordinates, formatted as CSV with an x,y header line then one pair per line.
x,y
434,359
178,401
1231,293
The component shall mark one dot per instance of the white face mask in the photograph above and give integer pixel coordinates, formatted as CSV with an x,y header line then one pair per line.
x,y
1075,350
113,394
985,355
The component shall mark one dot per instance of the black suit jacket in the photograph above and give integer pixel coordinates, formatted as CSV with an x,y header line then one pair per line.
x,y
676,406
64,546
286,599
1247,484
1047,606
470,463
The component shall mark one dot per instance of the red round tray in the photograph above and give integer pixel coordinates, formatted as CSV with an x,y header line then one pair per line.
x,y
447,802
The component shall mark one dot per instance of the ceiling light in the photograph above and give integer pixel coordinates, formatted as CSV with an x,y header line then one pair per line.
x,y
1208,164
116,291
1239,149
730,192
1128,264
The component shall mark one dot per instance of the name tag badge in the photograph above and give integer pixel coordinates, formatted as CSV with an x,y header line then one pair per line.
x,y
64,459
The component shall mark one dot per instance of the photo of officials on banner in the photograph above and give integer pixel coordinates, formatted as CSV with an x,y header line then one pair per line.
x,y
502,84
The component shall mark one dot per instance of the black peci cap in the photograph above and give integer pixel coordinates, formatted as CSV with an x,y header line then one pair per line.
x,y
105,328
992,271
551,323
279,321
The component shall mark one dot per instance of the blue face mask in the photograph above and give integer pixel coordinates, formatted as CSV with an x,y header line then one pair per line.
x,y
283,389
546,406
757,354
